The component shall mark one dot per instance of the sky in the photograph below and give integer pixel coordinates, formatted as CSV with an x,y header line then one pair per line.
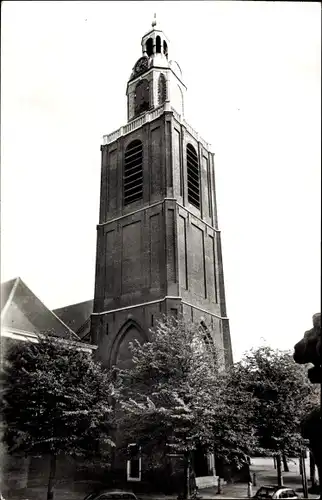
x,y
253,72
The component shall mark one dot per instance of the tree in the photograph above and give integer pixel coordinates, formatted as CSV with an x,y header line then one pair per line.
x,y
56,401
173,398
234,430
282,395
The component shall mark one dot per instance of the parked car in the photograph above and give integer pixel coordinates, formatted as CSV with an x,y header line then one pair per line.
x,y
273,492
111,495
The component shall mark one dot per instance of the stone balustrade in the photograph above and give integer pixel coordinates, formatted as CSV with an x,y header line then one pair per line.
x,y
148,117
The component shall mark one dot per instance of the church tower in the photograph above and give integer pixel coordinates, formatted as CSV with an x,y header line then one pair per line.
x,y
158,241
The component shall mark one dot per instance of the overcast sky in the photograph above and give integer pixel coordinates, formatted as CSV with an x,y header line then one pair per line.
x,y
253,72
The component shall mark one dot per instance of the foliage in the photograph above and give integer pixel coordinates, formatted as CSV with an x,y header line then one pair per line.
x,y
166,396
234,433
174,397
56,400
283,395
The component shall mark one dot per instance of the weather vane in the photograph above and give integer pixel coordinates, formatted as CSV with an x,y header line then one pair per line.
x,y
154,22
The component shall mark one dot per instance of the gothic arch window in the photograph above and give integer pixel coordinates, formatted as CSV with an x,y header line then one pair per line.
x,y
149,47
207,338
133,173
142,97
162,89
205,333
193,171
121,355
158,45
165,49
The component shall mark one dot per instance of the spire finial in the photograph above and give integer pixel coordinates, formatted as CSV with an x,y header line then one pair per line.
x,y
154,22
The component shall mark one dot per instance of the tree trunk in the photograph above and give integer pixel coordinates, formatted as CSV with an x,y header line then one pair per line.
x,y
186,478
52,473
274,460
219,486
279,470
285,464
312,470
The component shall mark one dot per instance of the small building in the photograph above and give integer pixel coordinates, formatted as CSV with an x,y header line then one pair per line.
x,y
23,317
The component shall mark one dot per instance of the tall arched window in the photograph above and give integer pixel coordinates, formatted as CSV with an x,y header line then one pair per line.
x,y
165,49
208,340
133,173
158,45
142,97
149,47
162,89
193,172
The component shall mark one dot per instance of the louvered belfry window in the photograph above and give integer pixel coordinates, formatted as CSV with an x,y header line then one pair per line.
x,y
133,173
193,176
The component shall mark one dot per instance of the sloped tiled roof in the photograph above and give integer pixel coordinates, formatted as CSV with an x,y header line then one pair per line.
x,y
22,310
77,316
6,289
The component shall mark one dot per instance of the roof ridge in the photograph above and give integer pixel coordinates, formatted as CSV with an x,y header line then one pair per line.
x,y
83,325
71,331
51,312
72,305
10,297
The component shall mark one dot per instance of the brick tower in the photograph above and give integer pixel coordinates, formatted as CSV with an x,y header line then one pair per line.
x,y
158,242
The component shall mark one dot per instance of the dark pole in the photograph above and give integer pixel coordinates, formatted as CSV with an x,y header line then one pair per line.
x,y
304,479
312,470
